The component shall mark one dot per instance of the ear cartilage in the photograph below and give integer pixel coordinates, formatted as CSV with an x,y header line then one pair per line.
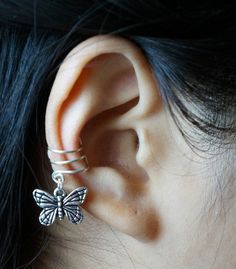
x,y
60,204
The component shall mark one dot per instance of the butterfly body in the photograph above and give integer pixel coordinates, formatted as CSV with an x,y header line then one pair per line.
x,y
59,205
60,211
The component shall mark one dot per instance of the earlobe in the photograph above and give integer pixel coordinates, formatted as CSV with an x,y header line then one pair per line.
x,y
101,94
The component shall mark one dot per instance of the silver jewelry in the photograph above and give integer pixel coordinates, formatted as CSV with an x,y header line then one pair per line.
x,y
60,204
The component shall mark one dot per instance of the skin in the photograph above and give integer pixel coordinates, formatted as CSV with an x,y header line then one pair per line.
x,y
152,202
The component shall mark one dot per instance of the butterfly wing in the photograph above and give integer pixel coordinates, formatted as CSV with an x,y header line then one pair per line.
x,y
49,205
74,215
47,216
71,205
76,197
44,199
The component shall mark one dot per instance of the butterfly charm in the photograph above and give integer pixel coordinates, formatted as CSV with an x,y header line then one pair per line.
x,y
59,205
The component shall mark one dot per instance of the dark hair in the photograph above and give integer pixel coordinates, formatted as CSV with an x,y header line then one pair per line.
x,y
192,50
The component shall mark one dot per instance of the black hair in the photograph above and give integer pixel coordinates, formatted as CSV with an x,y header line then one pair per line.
x,y
191,47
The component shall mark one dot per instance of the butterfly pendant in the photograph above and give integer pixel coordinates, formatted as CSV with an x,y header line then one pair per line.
x,y
59,205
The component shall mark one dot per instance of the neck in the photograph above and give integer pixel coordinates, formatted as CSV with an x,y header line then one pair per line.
x,y
84,246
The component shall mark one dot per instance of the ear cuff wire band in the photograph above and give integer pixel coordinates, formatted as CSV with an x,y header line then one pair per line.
x,y
67,161
62,151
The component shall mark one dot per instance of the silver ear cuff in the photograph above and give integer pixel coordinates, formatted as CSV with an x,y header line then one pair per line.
x,y
80,158
60,204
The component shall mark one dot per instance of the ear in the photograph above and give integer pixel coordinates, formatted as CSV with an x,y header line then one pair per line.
x,y
105,93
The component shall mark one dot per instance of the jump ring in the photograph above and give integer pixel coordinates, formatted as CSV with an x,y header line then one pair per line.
x,y
58,177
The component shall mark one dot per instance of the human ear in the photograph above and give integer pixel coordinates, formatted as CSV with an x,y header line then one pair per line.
x,y
104,93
